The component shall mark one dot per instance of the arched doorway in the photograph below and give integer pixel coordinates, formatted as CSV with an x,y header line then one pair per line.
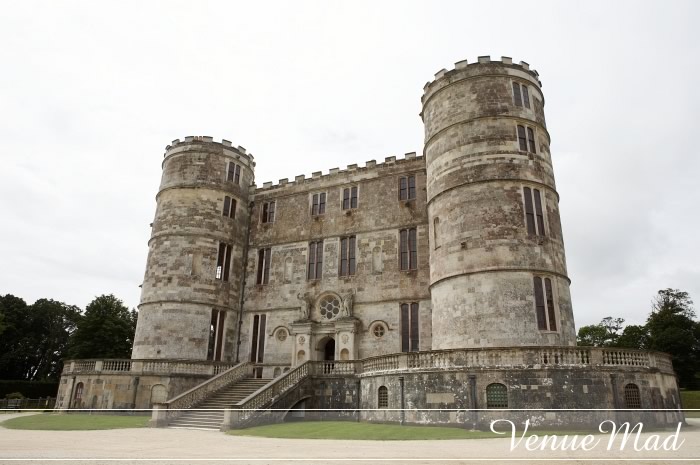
x,y
329,350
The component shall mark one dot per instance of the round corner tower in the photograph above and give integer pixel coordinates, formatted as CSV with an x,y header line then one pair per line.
x,y
497,267
191,291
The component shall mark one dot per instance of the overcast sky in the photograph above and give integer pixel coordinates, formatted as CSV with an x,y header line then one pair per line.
x,y
91,92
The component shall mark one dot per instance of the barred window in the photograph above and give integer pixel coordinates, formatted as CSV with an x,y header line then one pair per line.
x,y
223,262
268,212
410,327
318,204
383,397
407,187
350,197
534,216
229,207
544,304
263,266
315,267
347,256
632,397
496,396
408,249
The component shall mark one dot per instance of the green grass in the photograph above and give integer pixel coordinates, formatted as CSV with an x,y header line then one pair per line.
x,y
354,430
75,422
691,399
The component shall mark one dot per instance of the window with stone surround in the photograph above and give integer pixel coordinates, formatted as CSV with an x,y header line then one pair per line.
x,y
350,197
408,249
383,397
410,327
223,261
347,256
545,310
216,335
534,212
496,396
526,137
407,187
257,343
268,212
233,173
521,95
318,204
378,330
315,260
632,397
229,209
263,276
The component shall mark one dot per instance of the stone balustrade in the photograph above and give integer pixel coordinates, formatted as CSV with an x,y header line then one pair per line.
x,y
145,367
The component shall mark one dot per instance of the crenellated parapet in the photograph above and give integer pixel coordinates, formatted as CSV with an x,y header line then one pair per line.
x,y
225,146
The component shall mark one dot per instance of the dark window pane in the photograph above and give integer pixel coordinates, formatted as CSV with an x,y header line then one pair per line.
x,y
233,208
531,139
415,331
539,304
322,203
227,262
632,397
353,198
413,249
516,95
526,97
405,346
346,199
538,212
344,257
227,206
496,396
383,397
319,259
261,339
351,256
254,341
261,265
311,274
403,248
220,260
230,171
529,212
403,188
271,212
550,304
238,175
266,271
411,187
521,138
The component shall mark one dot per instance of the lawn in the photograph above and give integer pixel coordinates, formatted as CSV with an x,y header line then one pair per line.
x,y
691,399
354,430
75,422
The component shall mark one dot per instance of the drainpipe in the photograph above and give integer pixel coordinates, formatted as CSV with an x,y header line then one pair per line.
x,y
243,281
403,403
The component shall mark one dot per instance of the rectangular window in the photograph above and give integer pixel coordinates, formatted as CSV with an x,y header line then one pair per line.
x,y
257,346
410,328
263,276
268,212
223,262
318,204
216,334
534,216
522,140
407,187
544,304
347,256
531,140
229,207
526,97
349,197
408,250
516,95
315,267
233,173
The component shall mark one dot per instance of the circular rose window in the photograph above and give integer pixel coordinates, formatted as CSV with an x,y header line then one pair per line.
x,y
378,330
329,307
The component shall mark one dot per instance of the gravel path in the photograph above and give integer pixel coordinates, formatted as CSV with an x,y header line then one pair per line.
x,y
172,446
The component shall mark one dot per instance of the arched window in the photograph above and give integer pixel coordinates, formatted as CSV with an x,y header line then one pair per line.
x,y
78,396
496,396
632,397
383,397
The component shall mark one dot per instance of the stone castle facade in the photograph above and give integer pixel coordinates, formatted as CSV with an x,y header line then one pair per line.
x,y
455,251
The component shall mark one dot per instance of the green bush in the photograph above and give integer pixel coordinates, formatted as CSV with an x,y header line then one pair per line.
x,y
14,395
29,389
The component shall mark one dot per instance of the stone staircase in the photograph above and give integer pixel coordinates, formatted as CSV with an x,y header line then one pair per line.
x,y
224,398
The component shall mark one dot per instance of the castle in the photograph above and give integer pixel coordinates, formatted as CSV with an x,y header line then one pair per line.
x,y
433,281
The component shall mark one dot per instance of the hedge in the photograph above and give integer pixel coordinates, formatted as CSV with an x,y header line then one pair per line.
x,y
29,389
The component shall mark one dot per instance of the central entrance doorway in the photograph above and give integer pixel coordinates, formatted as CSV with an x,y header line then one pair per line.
x,y
329,350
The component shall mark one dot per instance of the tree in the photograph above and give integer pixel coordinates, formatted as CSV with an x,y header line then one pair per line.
x,y
106,330
634,337
604,334
672,328
35,338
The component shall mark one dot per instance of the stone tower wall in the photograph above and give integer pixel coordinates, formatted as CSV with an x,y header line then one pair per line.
x,y
483,260
180,287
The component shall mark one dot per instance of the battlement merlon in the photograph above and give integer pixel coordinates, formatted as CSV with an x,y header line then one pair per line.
x,y
238,154
484,65
410,162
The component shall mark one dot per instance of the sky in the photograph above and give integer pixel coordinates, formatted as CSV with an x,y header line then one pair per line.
x,y
92,92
